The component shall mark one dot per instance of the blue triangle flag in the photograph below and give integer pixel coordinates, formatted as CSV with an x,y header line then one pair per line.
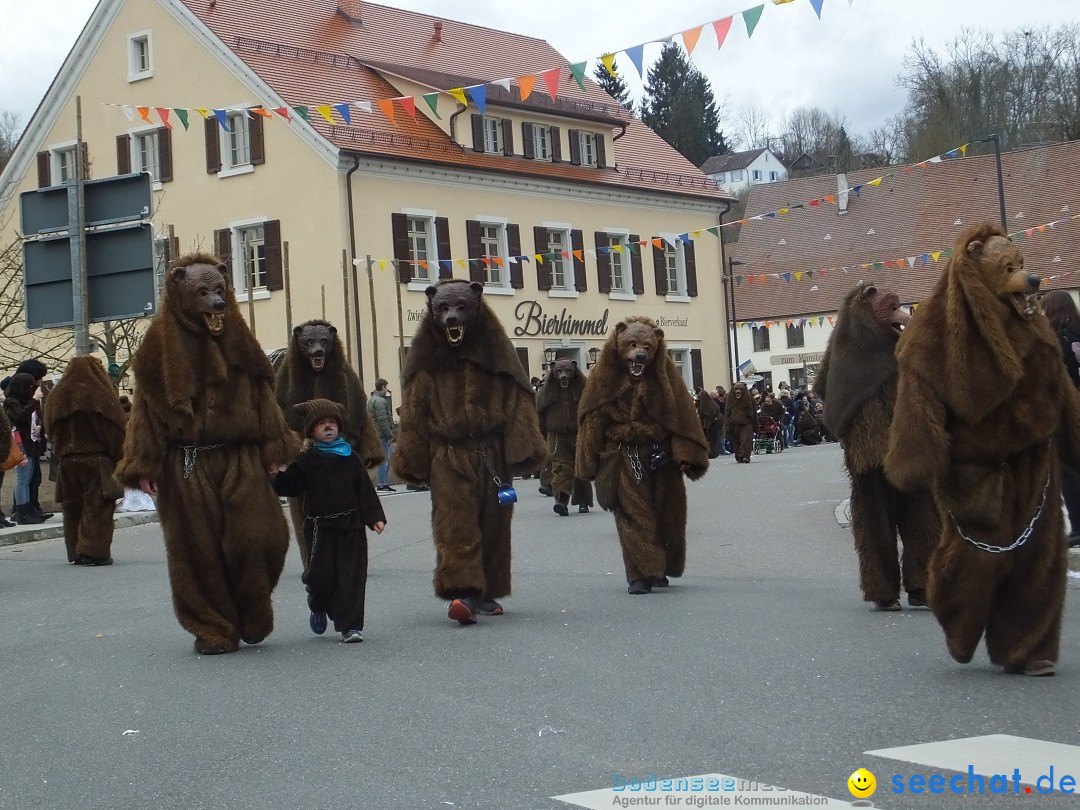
x,y
817,6
636,55
478,93
343,111
446,265
223,119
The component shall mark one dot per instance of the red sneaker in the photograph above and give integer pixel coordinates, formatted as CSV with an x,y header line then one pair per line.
x,y
461,610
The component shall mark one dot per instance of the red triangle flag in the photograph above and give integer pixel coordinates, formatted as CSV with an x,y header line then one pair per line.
x,y
283,112
409,103
721,27
551,79
163,113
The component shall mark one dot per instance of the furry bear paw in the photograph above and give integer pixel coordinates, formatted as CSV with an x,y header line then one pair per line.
x,y
206,647
888,605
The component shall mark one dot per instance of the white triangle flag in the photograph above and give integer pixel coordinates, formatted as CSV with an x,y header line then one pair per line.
x,y
364,105
504,84
128,111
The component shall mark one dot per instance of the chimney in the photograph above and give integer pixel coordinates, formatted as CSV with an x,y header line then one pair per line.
x,y
841,194
350,10
438,30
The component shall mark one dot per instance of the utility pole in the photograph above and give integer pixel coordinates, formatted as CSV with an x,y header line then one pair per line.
x,y
996,140
730,279
77,216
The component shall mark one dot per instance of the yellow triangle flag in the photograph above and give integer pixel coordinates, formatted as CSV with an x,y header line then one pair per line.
x,y
798,276
526,84
461,262
459,94
963,150
324,111
697,234
382,264
935,256
202,111
876,182
784,211
690,38
618,248
608,60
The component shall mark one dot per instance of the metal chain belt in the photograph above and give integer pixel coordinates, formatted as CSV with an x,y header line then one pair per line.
x,y
191,452
1019,541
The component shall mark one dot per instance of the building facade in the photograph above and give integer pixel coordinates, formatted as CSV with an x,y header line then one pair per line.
x,y
737,172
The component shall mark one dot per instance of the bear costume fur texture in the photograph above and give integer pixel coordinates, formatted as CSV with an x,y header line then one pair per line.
x,y
315,368
85,422
636,408
741,421
857,382
467,404
985,413
557,406
204,431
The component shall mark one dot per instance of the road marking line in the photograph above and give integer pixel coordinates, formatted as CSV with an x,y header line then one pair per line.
x,y
991,754
606,799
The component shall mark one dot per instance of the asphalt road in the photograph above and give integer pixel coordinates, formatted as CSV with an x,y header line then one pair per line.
x,y
762,662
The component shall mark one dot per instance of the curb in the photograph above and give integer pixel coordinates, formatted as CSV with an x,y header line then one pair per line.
x,y
54,528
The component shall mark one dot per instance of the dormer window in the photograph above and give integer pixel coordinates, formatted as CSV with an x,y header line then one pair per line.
x,y
140,58
586,148
540,142
493,136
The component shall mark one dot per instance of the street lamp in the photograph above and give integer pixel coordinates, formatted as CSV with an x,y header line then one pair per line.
x,y
733,333
1001,183
549,357
594,355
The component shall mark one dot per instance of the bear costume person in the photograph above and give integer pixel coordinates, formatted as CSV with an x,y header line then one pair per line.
x,y
468,423
741,421
205,430
985,413
315,367
639,433
857,381
557,406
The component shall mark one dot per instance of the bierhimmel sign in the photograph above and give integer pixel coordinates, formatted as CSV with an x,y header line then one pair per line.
x,y
534,321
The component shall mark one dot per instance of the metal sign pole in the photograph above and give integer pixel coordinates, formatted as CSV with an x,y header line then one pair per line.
x,y
77,217
374,316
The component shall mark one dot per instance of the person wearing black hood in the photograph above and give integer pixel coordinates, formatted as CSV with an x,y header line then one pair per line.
x,y
1064,317
36,369
22,404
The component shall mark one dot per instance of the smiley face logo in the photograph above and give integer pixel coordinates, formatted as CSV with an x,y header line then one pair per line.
x,y
862,784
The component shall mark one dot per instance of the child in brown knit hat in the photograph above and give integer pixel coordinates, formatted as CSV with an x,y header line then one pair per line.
x,y
339,500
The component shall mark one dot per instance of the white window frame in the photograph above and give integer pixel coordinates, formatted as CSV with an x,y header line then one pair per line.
x,y
234,116
568,289
541,142
756,175
736,175
587,148
503,288
687,366
493,136
239,278
627,261
136,73
801,332
136,155
55,152
773,177
673,243
420,284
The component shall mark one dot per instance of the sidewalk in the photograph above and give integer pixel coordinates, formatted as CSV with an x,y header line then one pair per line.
x,y
54,527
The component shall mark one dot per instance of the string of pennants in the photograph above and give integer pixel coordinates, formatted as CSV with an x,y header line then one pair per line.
x,y
476,94
910,261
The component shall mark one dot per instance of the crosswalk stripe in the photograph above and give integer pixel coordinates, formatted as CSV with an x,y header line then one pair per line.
x,y
989,755
712,785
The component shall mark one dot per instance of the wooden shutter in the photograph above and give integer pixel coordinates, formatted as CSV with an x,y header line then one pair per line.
x,y
523,358
165,168
399,230
575,146
577,242
603,262
442,239
508,136
691,268
223,248
213,145
556,144
527,147
477,270
601,151
477,132
513,244
272,248
635,263
659,270
256,142
123,154
44,170
695,369
543,269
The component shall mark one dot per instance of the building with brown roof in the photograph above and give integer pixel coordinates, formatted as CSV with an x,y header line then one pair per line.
x,y
443,189
806,251
741,170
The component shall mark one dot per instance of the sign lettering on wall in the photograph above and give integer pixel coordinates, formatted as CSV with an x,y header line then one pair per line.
x,y
533,321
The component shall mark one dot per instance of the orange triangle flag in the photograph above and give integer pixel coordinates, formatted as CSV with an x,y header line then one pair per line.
x,y
690,38
658,244
387,107
144,113
265,113
525,86
551,79
579,255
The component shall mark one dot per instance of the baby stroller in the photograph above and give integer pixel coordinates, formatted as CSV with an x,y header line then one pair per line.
x,y
767,439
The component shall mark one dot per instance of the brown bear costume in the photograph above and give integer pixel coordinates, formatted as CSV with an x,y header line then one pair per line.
x,y
204,432
711,416
557,406
985,411
857,381
315,368
85,422
741,420
638,434
468,416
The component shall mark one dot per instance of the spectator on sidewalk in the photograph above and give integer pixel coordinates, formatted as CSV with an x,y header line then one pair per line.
x,y
22,404
382,414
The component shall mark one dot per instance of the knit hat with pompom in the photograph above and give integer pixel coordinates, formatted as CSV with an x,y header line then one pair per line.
x,y
316,409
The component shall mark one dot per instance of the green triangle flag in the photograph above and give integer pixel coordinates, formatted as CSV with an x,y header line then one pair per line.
x,y
302,112
432,100
633,247
714,230
181,113
738,281
579,73
751,17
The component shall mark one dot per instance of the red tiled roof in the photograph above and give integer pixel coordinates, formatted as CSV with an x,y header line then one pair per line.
x,y
310,53
909,214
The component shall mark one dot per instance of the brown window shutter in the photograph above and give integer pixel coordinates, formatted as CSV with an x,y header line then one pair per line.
x,y
659,270
543,269
513,244
477,132
44,170
575,146
223,248
556,144
601,151
256,139
523,358
508,137
275,279
577,242
477,270
527,147
399,230
165,155
603,263
174,245
123,154
213,145
85,158
442,239
691,268
635,263
695,369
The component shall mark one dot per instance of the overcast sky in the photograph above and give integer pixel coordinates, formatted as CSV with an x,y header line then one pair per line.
x,y
848,61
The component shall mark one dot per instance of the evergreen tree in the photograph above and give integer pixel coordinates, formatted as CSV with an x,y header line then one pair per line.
x,y
614,86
